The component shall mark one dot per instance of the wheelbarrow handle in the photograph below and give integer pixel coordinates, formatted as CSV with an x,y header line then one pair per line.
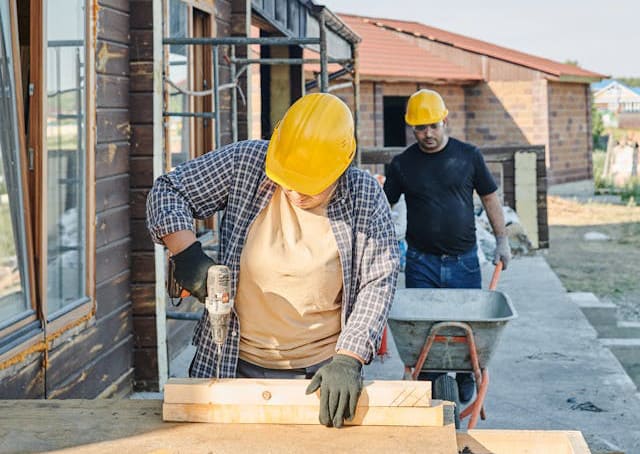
x,y
496,276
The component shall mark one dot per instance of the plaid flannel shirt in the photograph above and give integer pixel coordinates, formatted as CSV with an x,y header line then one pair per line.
x,y
233,179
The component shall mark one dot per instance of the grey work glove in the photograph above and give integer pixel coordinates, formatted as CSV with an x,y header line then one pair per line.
x,y
340,384
190,270
503,251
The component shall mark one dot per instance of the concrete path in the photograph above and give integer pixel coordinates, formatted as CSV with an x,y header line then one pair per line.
x,y
550,371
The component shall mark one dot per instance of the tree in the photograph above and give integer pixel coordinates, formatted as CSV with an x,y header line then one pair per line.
x,y
571,62
597,126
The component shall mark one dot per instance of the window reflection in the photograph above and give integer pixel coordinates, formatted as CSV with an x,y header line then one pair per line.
x,y
178,134
65,166
14,303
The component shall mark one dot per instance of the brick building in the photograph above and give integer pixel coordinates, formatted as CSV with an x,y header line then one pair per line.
x,y
496,96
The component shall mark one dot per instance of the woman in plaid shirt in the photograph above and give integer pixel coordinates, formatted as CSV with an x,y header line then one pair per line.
x,y
311,247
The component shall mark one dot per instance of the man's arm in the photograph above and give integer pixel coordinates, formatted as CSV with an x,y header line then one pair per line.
x,y
493,207
378,274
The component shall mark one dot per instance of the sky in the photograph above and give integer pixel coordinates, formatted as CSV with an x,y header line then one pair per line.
x,y
601,36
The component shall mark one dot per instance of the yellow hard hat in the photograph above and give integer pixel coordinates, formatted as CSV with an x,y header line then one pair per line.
x,y
425,107
313,144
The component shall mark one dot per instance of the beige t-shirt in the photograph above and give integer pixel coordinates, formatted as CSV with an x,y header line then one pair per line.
x,y
290,287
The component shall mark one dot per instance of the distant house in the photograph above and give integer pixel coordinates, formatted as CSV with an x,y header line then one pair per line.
x,y
619,104
496,96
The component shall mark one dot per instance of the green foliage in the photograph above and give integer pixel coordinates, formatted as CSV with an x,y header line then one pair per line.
x,y
629,81
571,62
601,184
597,126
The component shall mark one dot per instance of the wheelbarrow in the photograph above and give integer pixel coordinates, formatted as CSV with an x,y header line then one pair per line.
x,y
451,330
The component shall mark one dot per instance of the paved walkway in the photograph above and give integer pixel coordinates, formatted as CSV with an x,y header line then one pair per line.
x,y
550,371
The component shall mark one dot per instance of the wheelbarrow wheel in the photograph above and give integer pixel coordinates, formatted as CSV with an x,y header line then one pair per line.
x,y
446,388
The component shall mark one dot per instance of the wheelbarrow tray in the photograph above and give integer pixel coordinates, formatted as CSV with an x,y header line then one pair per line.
x,y
415,311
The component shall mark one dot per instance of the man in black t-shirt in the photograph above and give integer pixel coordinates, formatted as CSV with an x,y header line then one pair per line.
x,y
438,175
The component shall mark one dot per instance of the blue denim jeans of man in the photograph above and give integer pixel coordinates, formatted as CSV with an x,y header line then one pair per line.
x,y
424,270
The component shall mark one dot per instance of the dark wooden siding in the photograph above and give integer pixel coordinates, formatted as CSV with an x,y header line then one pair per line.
x,y
99,355
141,171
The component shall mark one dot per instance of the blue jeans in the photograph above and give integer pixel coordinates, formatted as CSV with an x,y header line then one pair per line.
x,y
445,271
442,271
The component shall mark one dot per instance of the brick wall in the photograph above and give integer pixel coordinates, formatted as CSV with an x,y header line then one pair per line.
x,y
569,134
506,113
372,113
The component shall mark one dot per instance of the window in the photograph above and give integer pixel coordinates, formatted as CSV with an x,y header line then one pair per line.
x,y
65,119
15,302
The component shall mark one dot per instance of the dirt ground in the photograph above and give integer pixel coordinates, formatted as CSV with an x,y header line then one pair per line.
x,y
608,268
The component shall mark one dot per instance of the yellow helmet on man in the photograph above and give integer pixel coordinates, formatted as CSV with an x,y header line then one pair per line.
x,y
313,144
425,107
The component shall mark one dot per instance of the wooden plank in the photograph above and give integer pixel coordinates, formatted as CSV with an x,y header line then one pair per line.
x,y
141,169
112,125
141,108
138,203
141,240
25,381
530,441
141,76
112,91
146,361
141,14
112,192
112,159
144,331
141,45
113,25
143,298
122,5
112,260
433,416
112,58
73,356
128,425
112,293
141,140
142,267
112,225
248,391
99,374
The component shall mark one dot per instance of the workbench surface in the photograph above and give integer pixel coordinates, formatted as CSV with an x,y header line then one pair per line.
x,y
136,426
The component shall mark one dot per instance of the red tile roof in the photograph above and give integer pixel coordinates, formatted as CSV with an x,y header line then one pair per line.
x,y
369,28
382,54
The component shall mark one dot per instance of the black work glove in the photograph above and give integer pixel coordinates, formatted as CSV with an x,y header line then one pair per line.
x,y
340,384
190,270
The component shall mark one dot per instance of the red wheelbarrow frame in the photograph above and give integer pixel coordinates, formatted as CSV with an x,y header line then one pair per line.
x,y
481,374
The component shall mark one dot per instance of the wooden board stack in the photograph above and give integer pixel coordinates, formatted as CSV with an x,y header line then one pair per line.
x,y
251,401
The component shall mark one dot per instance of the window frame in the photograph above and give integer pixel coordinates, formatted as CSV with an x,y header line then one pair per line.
x,y
84,306
22,322
41,324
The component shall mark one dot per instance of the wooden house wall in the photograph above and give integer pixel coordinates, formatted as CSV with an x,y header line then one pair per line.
x,y
97,361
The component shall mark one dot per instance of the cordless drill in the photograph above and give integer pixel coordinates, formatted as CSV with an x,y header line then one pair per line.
x,y
219,305
218,302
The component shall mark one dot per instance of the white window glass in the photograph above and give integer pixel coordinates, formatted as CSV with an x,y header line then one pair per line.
x,y
14,301
66,150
